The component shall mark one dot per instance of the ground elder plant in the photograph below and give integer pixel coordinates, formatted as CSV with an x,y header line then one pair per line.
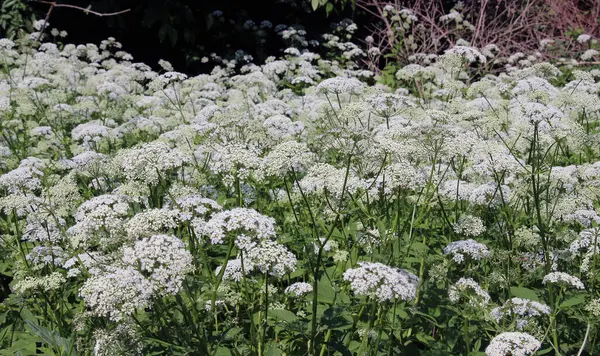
x,y
293,208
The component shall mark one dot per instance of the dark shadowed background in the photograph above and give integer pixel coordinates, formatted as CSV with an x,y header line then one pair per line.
x,y
183,31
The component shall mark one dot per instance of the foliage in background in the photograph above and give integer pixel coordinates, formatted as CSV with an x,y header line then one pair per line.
x,y
511,34
16,18
182,31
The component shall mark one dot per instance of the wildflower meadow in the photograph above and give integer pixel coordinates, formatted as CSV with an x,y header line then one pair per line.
x,y
299,206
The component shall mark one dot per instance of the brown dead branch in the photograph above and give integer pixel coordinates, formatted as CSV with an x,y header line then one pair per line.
x,y
87,10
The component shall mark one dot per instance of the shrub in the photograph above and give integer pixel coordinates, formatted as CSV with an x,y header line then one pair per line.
x,y
295,207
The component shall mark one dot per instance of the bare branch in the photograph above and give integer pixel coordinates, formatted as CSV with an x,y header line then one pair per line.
x,y
54,4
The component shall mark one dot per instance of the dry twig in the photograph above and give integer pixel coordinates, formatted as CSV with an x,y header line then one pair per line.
x,y
87,10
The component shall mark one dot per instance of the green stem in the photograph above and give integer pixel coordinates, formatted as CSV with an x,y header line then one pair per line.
x,y
324,346
467,336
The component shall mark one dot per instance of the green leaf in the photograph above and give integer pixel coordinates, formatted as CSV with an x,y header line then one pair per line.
x,y
273,351
222,351
315,4
354,345
525,293
24,344
476,347
53,339
424,338
232,333
545,351
336,318
578,299
282,315
325,292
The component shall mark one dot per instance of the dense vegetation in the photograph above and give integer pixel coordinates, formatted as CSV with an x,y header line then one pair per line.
x,y
305,205
180,31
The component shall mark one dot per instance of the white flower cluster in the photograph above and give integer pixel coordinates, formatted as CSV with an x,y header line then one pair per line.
x,y
45,284
340,86
593,307
287,157
237,221
384,283
299,289
470,54
90,132
469,225
586,246
270,257
522,309
117,294
43,229
25,178
466,289
101,214
587,239
322,177
124,339
150,222
281,127
253,234
563,279
514,344
149,163
471,248
44,255
164,258
196,206
233,271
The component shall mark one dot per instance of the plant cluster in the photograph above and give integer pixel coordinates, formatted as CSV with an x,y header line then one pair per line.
x,y
294,207
509,33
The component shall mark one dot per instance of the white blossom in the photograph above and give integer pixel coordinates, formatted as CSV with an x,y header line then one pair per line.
x,y
117,294
470,248
299,289
563,279
513,343
163,258
382,282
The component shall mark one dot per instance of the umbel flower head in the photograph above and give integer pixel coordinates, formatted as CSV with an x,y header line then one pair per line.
x,y
151,222
513,344
384,283
299,289
522,309
469,225
148,162
563,279
164,258
340,85
117,293
238,220
233,270
470,248
469,290
270,257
